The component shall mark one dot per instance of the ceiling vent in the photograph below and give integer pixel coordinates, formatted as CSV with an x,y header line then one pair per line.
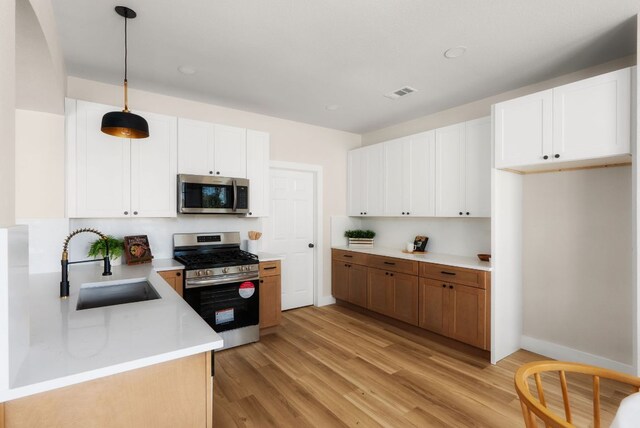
x,y
394,95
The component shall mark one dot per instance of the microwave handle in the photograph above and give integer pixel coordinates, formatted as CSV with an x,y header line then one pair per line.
x,y
235,195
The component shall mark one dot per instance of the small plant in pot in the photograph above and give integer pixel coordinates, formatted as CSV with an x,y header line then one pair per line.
x,y
98,249
360,238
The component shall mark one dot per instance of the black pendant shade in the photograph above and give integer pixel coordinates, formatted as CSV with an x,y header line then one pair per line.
x,y
125,124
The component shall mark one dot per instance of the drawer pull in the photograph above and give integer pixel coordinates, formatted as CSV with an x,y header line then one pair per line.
x,y
346,255
444,272
269,268
389,263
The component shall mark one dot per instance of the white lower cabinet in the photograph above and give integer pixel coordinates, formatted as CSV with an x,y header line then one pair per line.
x,y
258,173
116,177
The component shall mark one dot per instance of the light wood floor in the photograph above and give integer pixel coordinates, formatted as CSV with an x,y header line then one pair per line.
x,y
333,367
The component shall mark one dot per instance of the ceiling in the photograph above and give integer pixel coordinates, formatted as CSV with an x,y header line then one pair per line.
x,y
292,58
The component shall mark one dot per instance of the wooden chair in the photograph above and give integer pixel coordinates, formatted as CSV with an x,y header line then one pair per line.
x,y
532,406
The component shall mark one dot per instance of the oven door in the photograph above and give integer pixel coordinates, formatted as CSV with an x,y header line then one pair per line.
x,y
212,195
226,306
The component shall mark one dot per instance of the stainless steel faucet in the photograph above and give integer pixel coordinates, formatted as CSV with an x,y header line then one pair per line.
x,y
64,283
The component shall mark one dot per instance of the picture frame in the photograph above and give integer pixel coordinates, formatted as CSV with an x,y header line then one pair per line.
x,y
420,244
137,249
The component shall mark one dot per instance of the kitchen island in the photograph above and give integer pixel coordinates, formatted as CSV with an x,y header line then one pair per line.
x,y
147,355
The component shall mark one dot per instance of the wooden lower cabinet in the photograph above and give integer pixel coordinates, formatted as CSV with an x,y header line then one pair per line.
x,y
393,294
270,294
454,310
175,278
349,282
172,394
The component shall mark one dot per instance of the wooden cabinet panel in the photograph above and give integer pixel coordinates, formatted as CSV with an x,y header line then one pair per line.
x,y
270,301
270,268
271,294
405,297
137,398
358,285
467,312
175,278
472,277
350,256
380,292
340,280
392,264
433,295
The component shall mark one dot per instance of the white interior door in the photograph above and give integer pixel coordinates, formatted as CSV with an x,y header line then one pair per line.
x,y
290,229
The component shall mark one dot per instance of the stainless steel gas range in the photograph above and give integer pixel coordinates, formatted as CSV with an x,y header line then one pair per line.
x,y
221,284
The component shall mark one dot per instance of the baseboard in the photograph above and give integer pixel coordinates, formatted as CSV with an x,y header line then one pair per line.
x,y
564,353
325,301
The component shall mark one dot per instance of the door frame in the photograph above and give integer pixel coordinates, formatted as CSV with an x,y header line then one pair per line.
x,y
316,170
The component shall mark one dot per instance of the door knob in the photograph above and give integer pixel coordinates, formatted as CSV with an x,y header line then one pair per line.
x,y
311,245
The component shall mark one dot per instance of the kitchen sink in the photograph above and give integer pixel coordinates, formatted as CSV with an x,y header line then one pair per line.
x,y
97,295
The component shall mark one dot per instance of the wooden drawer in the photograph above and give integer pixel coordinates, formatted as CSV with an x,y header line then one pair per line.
x,y
270,268
471,277
392,264
350,256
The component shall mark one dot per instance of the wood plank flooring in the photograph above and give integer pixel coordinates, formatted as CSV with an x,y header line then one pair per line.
x,y
333,367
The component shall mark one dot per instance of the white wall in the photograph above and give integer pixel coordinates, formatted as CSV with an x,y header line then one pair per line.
x,y
7,115
459,236
481,108
39,165
577,266
290,141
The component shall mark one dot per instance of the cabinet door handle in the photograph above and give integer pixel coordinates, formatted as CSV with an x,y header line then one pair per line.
x,y
217,172
261,281
460,212
403,213
126,213
390,274
451,286
408,213
444,285
178,273
135,213
389,263
467,212
210,172
386,273
556,156
347,255
545,157
444,272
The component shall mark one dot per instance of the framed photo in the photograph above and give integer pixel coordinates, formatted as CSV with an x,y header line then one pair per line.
x,y
137,249
420,244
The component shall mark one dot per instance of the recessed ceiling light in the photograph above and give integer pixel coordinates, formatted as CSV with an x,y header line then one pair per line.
x,y
332,107
186,69
455,52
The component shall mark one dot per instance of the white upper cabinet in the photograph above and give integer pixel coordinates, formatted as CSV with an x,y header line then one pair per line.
x,y
209,149
477,168
230,152
153,169
258,173
116,177
578,123
523,130
410,176
592,117
366,181
450,170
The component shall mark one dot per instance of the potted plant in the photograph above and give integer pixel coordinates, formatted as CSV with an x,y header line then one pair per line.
x,y
360,238
98,249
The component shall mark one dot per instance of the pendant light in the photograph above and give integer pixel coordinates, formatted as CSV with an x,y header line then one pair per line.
x,y
125,124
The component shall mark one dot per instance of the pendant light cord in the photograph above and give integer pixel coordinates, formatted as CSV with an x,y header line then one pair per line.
x,y
126,52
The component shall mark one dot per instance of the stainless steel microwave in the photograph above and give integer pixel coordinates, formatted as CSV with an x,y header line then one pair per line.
x,y
202,194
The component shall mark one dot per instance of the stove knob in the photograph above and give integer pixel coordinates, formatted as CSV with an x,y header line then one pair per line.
x,y
246,268
225,270
209,272
199,273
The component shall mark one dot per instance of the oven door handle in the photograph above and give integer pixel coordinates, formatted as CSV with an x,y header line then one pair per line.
x,y
235,195
195,283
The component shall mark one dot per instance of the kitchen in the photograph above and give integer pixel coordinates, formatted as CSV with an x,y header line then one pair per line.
x,y
40,139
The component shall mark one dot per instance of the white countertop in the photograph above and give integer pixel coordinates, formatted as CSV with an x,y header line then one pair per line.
x,y
442,259
66,346
269,257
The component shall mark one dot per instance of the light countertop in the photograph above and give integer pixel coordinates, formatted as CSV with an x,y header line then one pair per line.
x,y
66,346
442,259
269,257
